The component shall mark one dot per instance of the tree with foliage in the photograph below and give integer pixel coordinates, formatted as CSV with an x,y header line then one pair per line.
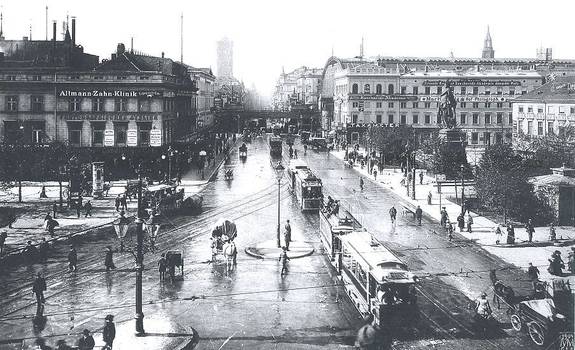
x,y
448,158
502,186
389,142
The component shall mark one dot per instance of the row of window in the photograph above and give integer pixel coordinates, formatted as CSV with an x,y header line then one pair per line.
x,y
98,130
75,104
12,77
366,104
540,128
427,90
463,120
550,109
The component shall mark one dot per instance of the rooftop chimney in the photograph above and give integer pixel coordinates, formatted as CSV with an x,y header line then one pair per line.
x,y
74,31
120,49
25,38
162,54
54,31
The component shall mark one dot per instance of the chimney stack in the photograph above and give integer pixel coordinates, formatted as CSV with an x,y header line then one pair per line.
x,y
54,31
120,49
74,31
162,54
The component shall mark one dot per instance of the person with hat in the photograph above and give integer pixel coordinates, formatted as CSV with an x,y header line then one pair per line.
x,y
533,273
571,260
552,233
109,332
162,267
287,234
556,264
86,342
38,288
72,259
284,258
444,217
109,260
483,310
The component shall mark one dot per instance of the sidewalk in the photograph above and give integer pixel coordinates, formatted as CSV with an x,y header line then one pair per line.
x,y
520,254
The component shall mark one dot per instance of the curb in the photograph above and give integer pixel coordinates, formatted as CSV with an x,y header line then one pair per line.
x,y
251,252
189,345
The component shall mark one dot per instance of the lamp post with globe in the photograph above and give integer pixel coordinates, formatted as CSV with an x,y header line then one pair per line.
x,y
279,169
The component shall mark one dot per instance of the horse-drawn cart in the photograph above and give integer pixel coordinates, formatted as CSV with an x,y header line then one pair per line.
x,y
193,203
175,261
223,236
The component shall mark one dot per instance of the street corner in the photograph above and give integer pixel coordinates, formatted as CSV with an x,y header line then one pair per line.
x,y
160,333
269,250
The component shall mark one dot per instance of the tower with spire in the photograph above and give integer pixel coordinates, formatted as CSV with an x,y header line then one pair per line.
x,y
488,51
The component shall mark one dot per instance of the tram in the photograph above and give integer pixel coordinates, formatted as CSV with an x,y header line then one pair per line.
x,y
275,146
305,185
375,279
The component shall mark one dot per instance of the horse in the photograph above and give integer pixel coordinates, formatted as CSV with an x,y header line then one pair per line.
x,y
230,252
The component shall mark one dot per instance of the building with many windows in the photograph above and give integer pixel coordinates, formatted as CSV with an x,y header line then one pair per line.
x,y
547,109
203,101
298,87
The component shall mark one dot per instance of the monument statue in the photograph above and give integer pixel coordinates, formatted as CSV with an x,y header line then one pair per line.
x,y
447,106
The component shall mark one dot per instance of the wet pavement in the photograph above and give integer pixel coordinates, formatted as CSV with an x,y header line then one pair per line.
x,y
251,306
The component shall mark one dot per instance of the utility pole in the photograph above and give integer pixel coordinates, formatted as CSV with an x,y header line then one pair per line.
x,y
139,260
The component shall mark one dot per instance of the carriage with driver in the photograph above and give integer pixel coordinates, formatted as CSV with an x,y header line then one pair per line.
x,y
223,236
243,151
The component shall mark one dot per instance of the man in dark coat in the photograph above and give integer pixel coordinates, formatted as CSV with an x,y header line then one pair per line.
x,y
530,230
38,288
117,203
109,261
88,207
287,234
461,222
51,225
87,341
72,259
392,214
43,249
418,214
109,332
54,209
510,234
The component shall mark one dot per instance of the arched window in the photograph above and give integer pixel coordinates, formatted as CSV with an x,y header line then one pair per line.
x,y
354,89
378,89
366,89
390,89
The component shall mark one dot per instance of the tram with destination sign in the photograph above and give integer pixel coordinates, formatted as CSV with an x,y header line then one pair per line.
x,y
306,186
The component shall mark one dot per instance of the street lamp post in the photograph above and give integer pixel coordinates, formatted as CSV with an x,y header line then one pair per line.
x,y
279,169
462,167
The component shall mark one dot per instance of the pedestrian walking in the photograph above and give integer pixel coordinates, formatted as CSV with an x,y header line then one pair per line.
x,y
72,259
86,342
533,273
530,230
552,233
290,151
374,173
79,206
284,258
162,267
304,149
571,260
88,207
287,234
444,217
498,234
369,335
30,253
460,222
556,264
429,196
38,288
109,260
51,225
469,222
43,249
124,203
392,214
482,307
510,234
109,332
449,228
43,192
117,202
418,214
295,153
421,178
54,209
3,236
361,183
47,218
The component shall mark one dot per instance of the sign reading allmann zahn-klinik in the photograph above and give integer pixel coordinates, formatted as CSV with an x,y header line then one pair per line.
x,y
107,93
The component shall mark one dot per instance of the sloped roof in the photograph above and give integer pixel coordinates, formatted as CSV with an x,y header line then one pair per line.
x,y
560,90
141,63
553,180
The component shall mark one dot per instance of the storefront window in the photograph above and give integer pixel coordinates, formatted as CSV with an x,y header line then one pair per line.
x,y
144,134
75,133
98,133
121,133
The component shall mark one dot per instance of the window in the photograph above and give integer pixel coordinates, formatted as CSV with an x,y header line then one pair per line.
x,y
378,89
499,118
354,118
520,109
98,133
463,104
144,78
499,91
11,103
415,119
463,90
120,133
37,131
355,104
11,77
121,104
487,104
366,89
97,104
427,104
511,91
487,138
498,138
144,134
530,127
475,90
539,128
463,119
520,126
415,90
540,110
427,90
37,103
474,138
390,118
499,104
121,77
572,110
475,105
144,105
378,105
562,109
74,104
475,118
523,92
438,119
439,90
427,119
403,90
487,118
390,105
354,89
403,119
378,119
550,128
36,77
530,109
74,77
510,119
390,89
415,104
487,91
403,105
75,133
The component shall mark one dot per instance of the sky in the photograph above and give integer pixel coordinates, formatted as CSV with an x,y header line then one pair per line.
x,y
270,34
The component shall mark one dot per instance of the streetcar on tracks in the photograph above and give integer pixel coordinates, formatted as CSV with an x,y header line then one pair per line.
x,y
276,146
306,186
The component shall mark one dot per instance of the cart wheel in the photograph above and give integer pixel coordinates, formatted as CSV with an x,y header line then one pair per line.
x,y
537,333
516,322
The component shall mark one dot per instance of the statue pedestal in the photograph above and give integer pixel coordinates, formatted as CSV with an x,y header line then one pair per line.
x,y
453,136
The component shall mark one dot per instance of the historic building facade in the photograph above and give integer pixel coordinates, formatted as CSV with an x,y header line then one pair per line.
x,y
298,87
203,101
